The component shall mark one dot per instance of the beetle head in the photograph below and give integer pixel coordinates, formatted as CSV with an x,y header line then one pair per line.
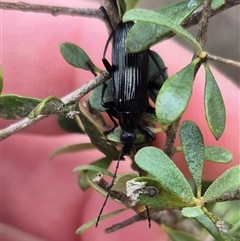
x,y
127,139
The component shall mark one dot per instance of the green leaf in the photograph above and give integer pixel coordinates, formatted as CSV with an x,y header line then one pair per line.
x,y
206,222
69,125
72,148
85,179
15,106
229,181
161,167
217,154
154,76
1,79
193,150
77,57
122,7
50,105
164,199
235,231
91,176
176,235
192,212
87,225
138,37
95,99
121,180
153,118
132,4
214,105
96,169
156,18
173,97
98,139
217,4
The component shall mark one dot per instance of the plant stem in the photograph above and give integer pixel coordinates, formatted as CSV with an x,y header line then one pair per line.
x,y
73,97
124,223
223,60
53,10
203,23
169,148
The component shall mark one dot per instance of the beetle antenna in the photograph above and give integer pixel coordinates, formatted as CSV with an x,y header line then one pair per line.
x,y
110,187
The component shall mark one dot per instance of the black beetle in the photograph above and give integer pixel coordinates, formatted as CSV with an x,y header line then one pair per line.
x,y
130,93
130,89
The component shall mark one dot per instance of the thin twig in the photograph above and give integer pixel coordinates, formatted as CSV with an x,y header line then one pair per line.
x,y
125,223
195,17
203,23
169,148
53,10
223,60
112,11
69,99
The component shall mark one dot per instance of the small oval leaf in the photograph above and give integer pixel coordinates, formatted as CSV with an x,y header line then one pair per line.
x,y
69,125
229,181
192,212
164,198
161,167
72,148
120,181
96,100
207,223
193,150
77,57
214,105
85,179
173,97
96,169
217,154
156,18
138,36
15,106
157,74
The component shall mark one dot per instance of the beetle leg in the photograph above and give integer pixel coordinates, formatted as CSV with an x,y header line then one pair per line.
x,y
106,16
147,132
150,110
107,65
91,69
112,112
